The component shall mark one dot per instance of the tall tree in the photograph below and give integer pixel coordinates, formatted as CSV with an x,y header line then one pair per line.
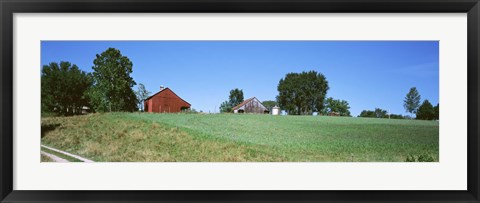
x,y
425,111
412,101
302,93
336,105
437,111
112,88
236,97
142,94
63,88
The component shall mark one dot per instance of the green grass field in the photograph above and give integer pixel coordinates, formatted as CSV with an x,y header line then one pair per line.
x,y
145,137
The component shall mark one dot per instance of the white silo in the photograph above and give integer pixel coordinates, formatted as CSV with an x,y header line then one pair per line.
x,y
275,110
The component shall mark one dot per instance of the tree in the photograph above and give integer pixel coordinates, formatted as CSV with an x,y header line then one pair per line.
x,y
302,93
336,105
412,101
425,111
396,116
269,104
112,87
142,94
377,113
236,97
367,114
225,107
380,113
63,88
437,111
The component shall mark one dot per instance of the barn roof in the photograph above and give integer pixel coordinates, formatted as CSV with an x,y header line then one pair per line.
x,y
170,91
243,103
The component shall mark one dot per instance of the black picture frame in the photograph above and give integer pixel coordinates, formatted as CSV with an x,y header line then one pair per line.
x,y
9,7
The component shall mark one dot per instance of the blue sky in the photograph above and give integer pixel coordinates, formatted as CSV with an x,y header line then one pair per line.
x,y
368,74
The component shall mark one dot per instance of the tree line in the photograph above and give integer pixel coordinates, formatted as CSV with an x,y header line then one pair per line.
x,y
304,93
411,103
66,90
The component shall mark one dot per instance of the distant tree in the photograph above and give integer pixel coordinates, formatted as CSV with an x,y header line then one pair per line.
x,y
425,111
63,88
367,114
112,87
336,105
377,113
437,111
396,116
236,97
380,113
412,101
142,94
269,104
302,93
226,107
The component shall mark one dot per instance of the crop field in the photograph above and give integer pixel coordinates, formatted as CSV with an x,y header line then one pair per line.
x,y
145,137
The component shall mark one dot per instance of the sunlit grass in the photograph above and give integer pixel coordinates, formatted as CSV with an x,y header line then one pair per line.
x,y
148,137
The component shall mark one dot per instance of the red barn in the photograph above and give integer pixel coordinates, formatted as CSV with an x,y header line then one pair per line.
x,y
165,101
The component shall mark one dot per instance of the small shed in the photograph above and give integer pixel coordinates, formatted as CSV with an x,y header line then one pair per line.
x,y
165,101
252,105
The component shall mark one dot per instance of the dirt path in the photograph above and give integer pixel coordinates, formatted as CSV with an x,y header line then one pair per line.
x,y
54,158
68,154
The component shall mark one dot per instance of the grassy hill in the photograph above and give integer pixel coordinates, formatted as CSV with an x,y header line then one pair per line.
x,y
144,137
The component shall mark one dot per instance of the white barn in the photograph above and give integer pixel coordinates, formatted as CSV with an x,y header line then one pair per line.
x,y
252,105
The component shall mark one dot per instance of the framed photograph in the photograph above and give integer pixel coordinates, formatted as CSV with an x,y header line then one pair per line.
x,y
217,101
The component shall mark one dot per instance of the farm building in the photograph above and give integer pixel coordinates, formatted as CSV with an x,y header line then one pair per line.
x,y
252,105
165,101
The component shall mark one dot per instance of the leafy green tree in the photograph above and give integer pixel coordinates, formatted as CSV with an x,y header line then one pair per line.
x,y
437,111
226,107
380,113
336,105
63,88
425,111
142,94
302,93
236,97
412,101
396,116
269,104
367,114
112,87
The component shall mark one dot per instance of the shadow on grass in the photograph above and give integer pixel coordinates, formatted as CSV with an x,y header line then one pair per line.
x,y
48,127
